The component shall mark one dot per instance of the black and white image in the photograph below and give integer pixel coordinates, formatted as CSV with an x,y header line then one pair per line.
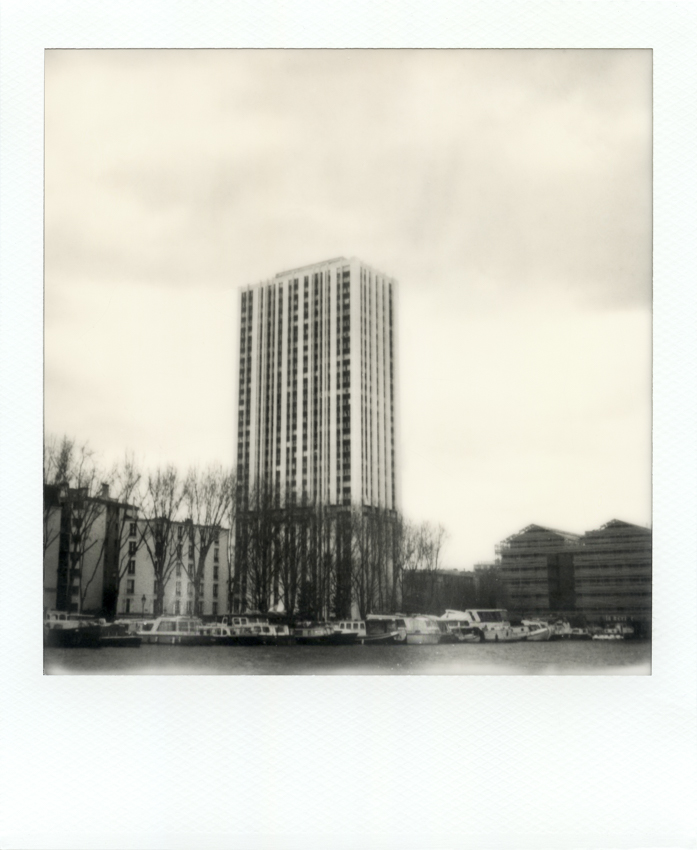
x,y
348,361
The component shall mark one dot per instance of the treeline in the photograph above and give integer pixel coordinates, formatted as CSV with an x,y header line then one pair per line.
x,y
314,561
103,503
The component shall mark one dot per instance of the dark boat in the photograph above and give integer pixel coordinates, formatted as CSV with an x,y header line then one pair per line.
x,y
79,637
71,631
324,634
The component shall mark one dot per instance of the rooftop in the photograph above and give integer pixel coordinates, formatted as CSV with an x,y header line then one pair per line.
x,y
311,266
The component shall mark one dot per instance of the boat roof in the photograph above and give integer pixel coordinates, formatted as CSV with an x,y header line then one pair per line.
x,y
178,617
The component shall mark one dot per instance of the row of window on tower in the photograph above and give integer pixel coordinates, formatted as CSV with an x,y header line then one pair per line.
x,y
315,409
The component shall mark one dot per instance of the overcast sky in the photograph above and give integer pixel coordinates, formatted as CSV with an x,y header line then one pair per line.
x,y
508,191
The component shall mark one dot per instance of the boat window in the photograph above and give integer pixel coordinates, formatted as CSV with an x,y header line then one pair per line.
x,y
400,624
490,616
167,626
266,630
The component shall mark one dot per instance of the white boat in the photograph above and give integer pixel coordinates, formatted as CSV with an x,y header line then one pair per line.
x,y
348,631
171,630
385,629
618,632
218,634
422,630
492,624
538,630
461,630
562,630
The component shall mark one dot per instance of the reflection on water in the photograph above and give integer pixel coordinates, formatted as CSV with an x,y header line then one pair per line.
x,y
555,658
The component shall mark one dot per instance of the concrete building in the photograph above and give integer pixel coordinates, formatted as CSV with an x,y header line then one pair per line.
x,y
537,566
96,561
317,395
137,587
601,576
81,549
317,418
612,571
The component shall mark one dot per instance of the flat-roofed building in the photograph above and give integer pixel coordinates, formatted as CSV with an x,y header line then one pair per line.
x,y
318,400
181,571
82,541
317,394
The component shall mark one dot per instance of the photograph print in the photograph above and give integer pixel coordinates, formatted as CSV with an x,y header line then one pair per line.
x,y
347,362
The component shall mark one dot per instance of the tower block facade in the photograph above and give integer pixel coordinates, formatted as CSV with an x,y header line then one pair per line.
x,y
317,423
317,398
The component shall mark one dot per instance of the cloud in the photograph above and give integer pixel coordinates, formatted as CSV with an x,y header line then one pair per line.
x,y
509,192
529,166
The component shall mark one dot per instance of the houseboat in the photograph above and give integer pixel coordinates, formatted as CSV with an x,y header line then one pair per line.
x,y
422,630
492,624
263,633
175,630
461,630
217,634
71,631
538,630
311,635
618,632
562,630
385,629
275,634
118,635
323,634
348,631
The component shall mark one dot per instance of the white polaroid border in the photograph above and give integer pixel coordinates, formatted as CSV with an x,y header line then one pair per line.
x,y
333,762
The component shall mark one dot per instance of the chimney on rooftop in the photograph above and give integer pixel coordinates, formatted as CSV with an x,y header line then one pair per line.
x,y
105,491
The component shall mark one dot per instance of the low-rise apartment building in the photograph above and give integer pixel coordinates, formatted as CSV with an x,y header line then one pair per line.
x,y
99,559
138,587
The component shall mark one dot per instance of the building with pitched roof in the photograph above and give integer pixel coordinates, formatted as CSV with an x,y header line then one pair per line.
x,y
603,575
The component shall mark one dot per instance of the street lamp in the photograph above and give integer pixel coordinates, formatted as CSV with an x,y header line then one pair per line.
x,y
143,603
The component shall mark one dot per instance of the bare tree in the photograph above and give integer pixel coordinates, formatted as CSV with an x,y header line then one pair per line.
x,y
259,546
293,540
491,590
372,556
343,568
120,542
58,469
406,555
420,552
206,497
231,508
73,482
159,511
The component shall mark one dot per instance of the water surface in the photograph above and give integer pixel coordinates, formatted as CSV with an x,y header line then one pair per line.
x,y
550,658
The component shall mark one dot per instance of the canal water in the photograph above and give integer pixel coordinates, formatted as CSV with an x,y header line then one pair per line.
x,y
574,658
